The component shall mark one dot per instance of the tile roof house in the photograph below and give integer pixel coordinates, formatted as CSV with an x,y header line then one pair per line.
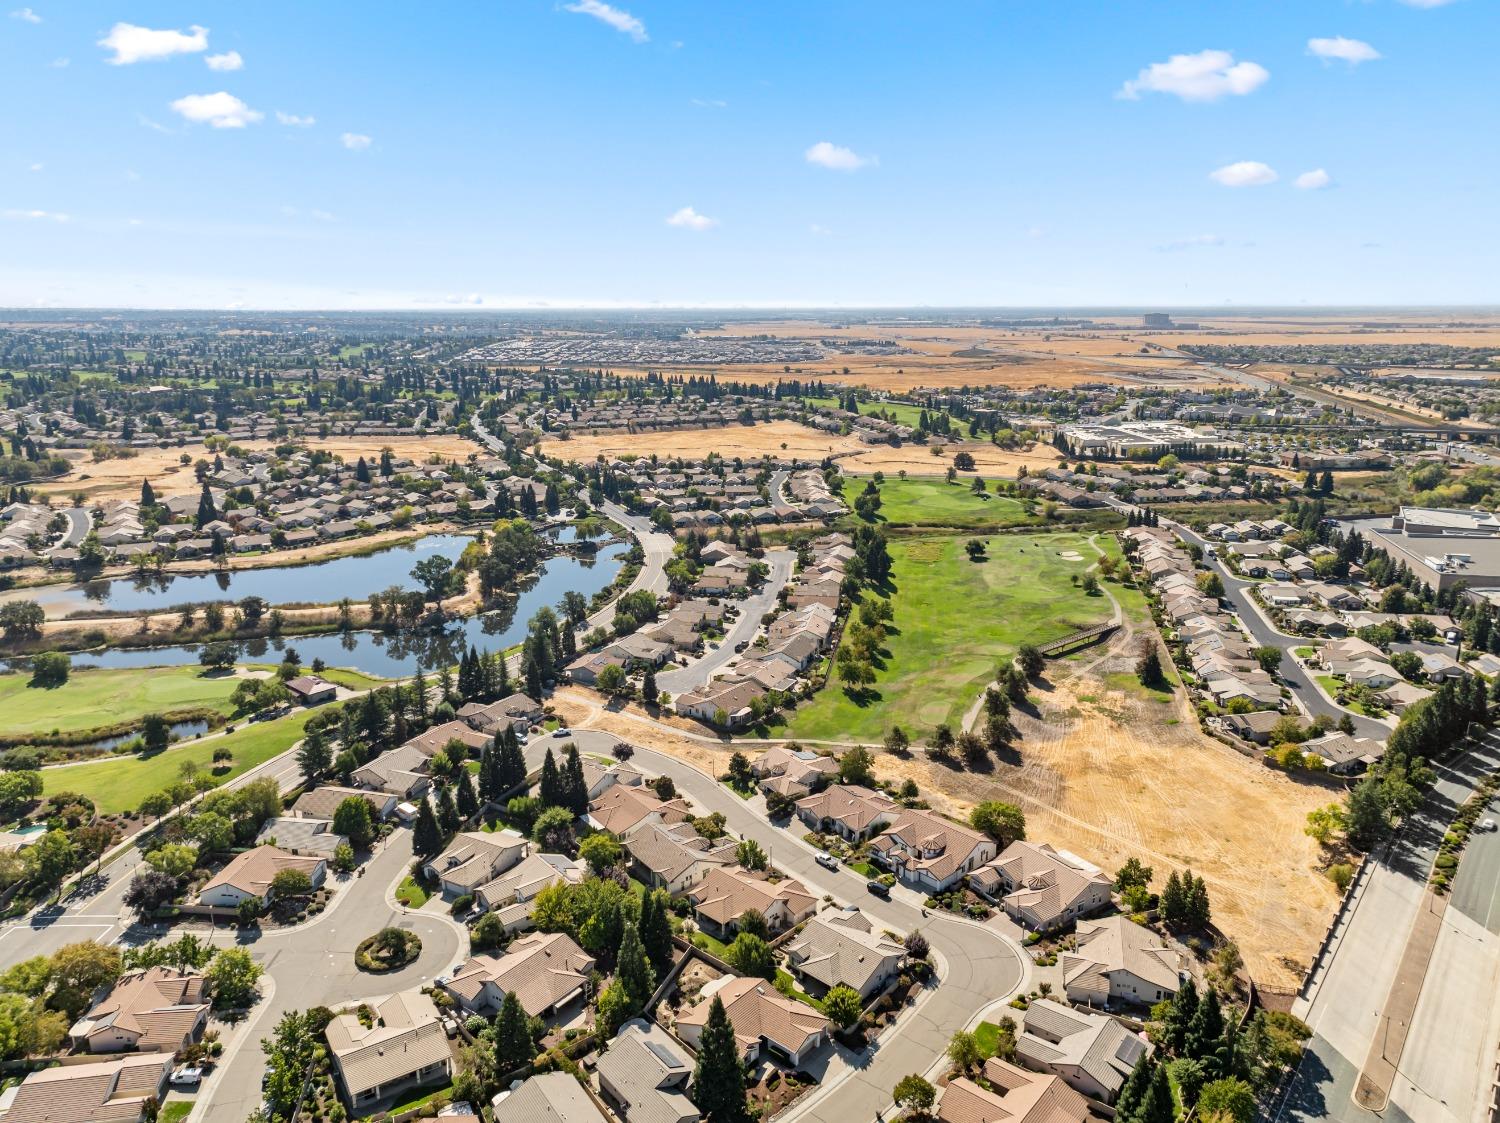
x,y
765,1021
548,1097
841,946
516,710
301,835
405,1046
1042,888
793,772
725,894
676,857
1118,960
436,738
158,1009
513,892
250,874
929,853
1091,1052
644,1076
546,970
1344,754
476,858
401,771
622,808
849,810
1013,1095
114,1091
323,801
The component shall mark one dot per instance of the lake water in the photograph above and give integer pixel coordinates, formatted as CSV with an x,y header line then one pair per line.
x,y
320,583
394,656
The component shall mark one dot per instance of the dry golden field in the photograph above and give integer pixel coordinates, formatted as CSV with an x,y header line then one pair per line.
x,y
121,478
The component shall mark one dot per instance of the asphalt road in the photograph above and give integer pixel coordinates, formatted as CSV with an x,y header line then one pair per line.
x,y
79,525
752,608
1476,889
1310,698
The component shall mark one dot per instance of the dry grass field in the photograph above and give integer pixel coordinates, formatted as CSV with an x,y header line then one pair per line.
x,y
121,478
788,438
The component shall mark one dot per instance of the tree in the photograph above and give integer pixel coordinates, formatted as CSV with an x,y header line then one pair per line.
x,y
468,802
552,788
1133,873
353,819
719,1076
149,890
656,930
751,855
1148,667
842,1006
314,756
1157,1105
232,978
289,1054
290,883
218,654
739,774
248,911
1268,657
601,851
1133,1091
18,789
1367,819
514,1045
611,680
1206,1027
750,955
427,836
50,669
1004,822
633,969
857,766
174,859
50,859
78,970
964,1051
913,1094
1230,1098
22,619
435,575
1030,660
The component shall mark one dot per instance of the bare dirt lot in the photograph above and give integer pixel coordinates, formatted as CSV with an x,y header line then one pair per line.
x,y
121,478
789,439
1108,774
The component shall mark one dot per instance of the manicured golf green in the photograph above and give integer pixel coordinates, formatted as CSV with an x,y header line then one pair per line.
x,y
120,783
90,699
955,621
936,502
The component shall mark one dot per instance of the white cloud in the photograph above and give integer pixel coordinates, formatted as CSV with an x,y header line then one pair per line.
x,y
1206,76
1315,180
689,219
1352,51
34,168
355,142
229,60
221,110
1198,241
143,44
26,15
1245,173
58,63
293,119
819,231
322,216
709,103
37,216
617,18
146,122
837,157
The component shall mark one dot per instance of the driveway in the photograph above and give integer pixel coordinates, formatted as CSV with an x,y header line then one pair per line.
x,y
752,608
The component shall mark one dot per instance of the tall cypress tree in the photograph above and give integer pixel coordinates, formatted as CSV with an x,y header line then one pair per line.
x,y
552,789
656,931
1133,1091
511,762
1207,1026
633,969
719,1077
427,836
1180,1015
447,811
1156,1104
575,786
468,802
487,791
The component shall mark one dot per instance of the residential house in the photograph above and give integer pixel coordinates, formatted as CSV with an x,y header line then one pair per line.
x,y
599,778
158,1009
403,1046
851,811
645,1074
1253,727
513,893
1011,1095
1042,888
519,711
301,835
721,703
249,874
929,853
402,772
1117,960
548,1097
475,858
675,857
1343,754
622,808
547,970
766,1022
437,738
793,772
842,946
124,1090
311,690
1091,1052
725,894
322,802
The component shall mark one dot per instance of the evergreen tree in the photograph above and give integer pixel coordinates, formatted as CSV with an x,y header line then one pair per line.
x,y
314,756
1172,899
514,1047
1198,911
207,512
447,811
510,762
1156,1104
362,471
656,931
468,802
649,692
148,496
1133,1091
552,789
427,836
1207,1026
633,969
487,774
1180,1016
719,1076
575,787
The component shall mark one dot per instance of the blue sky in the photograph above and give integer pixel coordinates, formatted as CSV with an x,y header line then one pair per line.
x,y
520,152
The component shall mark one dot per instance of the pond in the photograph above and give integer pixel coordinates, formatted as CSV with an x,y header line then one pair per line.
x,y
318,583
395,656
178,730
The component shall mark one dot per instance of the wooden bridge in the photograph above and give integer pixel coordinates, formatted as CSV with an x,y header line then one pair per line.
x,y
1079,639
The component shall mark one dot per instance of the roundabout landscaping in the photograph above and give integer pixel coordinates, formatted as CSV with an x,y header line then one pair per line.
x,y
387,950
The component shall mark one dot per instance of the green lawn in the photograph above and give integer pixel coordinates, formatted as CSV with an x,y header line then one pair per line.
x,y
935,502
711,944
955,620
121,783
90,699
411,894
903,412
987,1034
175,1111
864,869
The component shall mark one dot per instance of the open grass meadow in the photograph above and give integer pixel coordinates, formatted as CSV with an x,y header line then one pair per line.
x,y
955,620
935,502
120,783
90,699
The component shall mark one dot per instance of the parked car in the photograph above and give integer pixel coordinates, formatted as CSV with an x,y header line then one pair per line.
x,y
827,861
187,1076
1487,825
562,731
879,888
